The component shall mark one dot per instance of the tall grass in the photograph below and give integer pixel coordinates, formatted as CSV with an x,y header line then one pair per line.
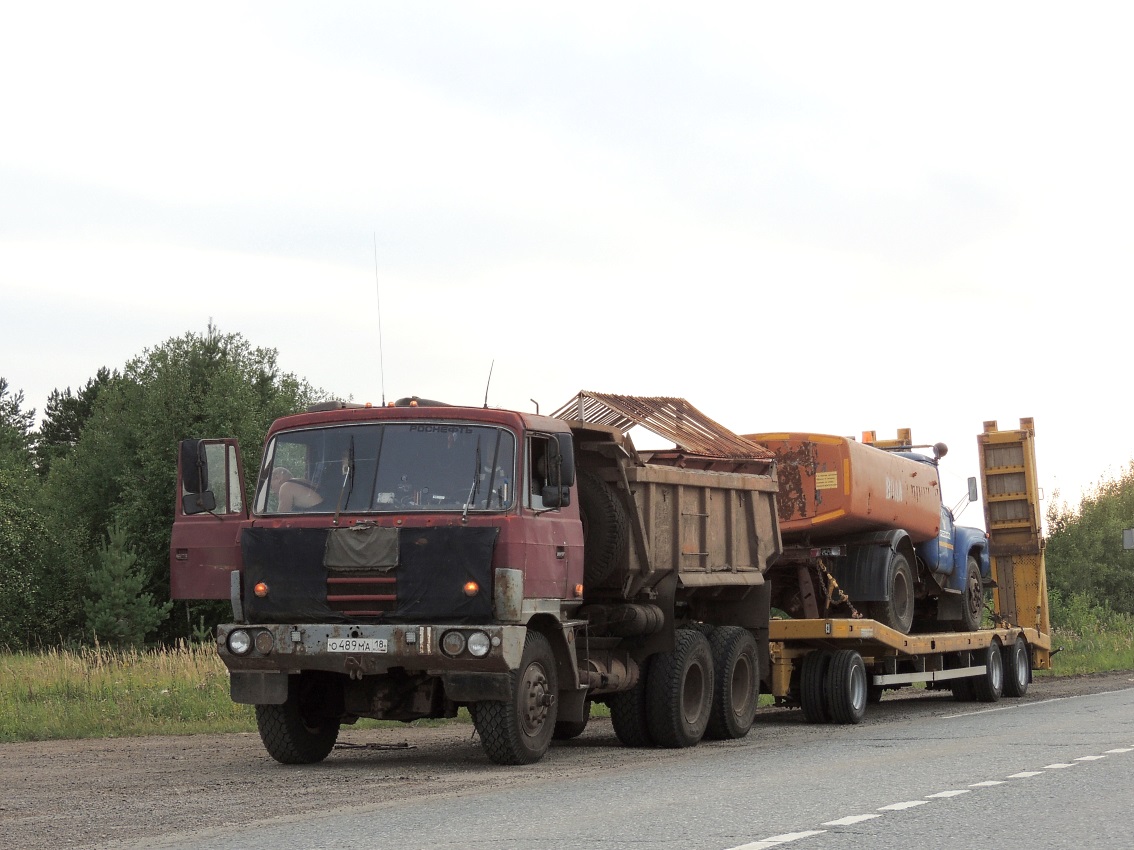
x,y
99,692
1091,636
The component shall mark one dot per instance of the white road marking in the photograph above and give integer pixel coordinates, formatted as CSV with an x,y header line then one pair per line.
x,y
777,840
897,807
851,820
1056,766
948,794
987,783
1018,705
1089,758
1122,750
1024,774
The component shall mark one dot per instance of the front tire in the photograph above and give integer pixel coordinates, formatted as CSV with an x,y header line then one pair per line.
x,y
519,731
897,612
736,687
679,691
296,732
972,601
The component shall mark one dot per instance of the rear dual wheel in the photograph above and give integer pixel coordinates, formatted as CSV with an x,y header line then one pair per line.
x,y
1017,668
834,687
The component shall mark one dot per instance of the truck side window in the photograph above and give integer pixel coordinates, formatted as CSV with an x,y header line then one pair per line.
x,y
224,478
536,471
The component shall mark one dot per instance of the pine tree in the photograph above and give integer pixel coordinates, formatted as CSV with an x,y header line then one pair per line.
x,y
118,611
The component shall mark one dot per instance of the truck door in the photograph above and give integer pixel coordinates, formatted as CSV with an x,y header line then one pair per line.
x,y
210,512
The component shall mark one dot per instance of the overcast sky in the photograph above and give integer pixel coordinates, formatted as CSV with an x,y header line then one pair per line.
x,y
823,217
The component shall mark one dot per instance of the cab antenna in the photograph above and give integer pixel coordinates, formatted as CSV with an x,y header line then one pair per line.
x,y
378,294
487,385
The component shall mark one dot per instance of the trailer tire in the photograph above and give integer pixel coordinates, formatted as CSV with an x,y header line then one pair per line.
x,y
847,692
679,691
605,528
972,600
736,685
897,612
962,690
1017,668
813,684
990,686
565,730
519,731
628,713
293,732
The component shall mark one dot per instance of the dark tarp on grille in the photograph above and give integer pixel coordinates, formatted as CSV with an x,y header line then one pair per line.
x,y
361,547
433,566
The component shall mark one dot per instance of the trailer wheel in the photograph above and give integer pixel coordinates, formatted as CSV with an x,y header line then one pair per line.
x,y
519,731
628,713
897,612
565,730
294,732
847,687
813,684
972,602
605,528
736,686
990,686
679,691
962,690
1017,668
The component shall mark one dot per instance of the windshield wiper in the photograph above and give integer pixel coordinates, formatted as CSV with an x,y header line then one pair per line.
x,y
475,483
348,479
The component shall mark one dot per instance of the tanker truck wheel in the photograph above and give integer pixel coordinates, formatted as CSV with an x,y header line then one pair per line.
x,y
736,687
897,612
679,691
628,713
972,601
519,731
294,732
605,528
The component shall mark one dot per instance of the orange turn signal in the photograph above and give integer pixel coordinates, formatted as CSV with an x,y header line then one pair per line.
x,y
579,591
260,589
471,588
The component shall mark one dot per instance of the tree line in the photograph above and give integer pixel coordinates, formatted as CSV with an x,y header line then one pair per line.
x,y
87,497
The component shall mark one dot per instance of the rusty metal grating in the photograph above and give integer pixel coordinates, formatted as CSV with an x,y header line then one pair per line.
x,y
673,418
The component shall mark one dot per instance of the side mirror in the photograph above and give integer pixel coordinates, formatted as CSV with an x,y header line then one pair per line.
x,y
556,497
194,467
198,503
974,494
566,448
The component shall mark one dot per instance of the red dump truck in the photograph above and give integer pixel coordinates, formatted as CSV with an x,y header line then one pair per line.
x,y
401,562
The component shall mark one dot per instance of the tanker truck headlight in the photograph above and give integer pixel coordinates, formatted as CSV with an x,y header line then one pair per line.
x,y
479,644
453,643
239,642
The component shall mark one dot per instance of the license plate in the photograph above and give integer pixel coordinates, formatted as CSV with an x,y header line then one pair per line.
x,y
358,645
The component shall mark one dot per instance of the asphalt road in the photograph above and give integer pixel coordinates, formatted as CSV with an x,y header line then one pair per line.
x,y
1041,773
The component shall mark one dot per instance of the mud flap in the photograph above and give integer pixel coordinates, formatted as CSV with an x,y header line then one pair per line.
x,y
258,688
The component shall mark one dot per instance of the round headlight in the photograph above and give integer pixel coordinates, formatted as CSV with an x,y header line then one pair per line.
x,y
479,644
453,643
239,642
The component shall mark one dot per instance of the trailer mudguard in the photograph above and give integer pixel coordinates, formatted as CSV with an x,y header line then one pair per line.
x,y
864,572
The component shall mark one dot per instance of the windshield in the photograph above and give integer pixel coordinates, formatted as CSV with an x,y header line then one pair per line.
x,y
402,467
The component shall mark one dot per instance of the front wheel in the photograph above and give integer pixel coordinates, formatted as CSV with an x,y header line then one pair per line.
x,y
519,731
972,601
296,731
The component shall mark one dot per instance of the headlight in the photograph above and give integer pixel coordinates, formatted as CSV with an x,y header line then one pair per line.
x,y
453,643
239,642
479,644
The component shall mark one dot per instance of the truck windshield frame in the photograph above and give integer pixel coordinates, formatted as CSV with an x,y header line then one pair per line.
x,y
388,467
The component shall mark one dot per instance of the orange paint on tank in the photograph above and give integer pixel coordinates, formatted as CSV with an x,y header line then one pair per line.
x,y
833,486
